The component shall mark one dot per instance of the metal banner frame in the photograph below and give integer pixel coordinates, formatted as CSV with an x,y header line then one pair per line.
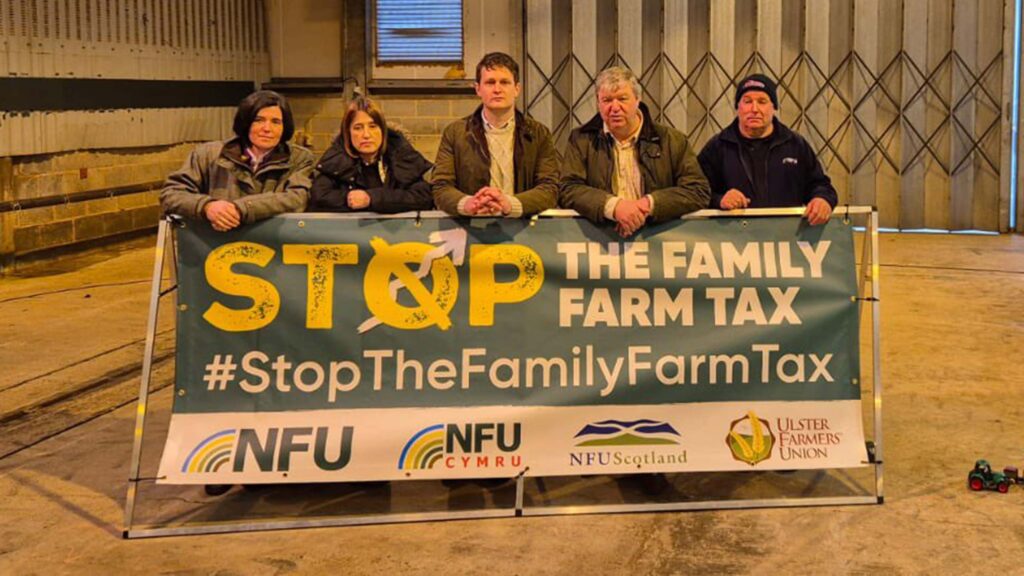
x,y
869,292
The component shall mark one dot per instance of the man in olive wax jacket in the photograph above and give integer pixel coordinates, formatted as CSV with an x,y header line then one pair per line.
x,y
622,167
496,162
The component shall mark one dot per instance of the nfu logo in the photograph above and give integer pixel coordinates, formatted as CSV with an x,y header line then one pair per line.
x,y
273,452
458,446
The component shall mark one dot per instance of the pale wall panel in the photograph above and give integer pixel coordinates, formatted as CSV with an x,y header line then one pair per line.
x,y
306,38
125,39
988,124
132,39
44,132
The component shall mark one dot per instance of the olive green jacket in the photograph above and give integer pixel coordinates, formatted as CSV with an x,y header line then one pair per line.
x,y
463,164
668,165
221,171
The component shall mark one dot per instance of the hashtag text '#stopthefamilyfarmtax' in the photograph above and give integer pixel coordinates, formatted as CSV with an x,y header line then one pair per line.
x,y
580,368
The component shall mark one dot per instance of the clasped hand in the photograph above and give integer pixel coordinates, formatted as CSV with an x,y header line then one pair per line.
x,y
223,215
630,215
358,199
488,201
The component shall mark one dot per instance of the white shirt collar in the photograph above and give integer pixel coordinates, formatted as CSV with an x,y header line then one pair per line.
x,y
488,126
255,156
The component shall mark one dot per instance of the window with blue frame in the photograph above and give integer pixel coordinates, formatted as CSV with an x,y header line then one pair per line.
x,y
418,31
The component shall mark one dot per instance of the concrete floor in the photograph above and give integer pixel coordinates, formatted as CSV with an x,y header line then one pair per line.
x,y
953,336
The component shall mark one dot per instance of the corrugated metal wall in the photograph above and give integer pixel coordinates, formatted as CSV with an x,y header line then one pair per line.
x,y
901,98
128,39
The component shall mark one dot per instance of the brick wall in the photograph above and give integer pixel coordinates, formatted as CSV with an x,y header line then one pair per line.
x,y
421,119
36,229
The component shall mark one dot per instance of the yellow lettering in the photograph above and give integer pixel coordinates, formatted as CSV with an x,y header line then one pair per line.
x,y
485,292
432,306
320,260
265,300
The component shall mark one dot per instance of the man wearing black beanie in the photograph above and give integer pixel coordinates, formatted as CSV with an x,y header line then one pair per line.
x,y
758,162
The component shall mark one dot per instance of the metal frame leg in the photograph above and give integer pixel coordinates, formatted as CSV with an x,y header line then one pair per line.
x,y
147,368
876,355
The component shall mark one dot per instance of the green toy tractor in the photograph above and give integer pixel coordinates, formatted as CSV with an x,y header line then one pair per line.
x,y
983,478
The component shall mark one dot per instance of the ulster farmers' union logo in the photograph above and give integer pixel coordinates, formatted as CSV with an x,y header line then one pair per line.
x,y
460,446
643,432
212,453
750,439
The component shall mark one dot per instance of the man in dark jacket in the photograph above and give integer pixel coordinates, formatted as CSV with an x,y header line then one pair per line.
x,y
757,162
622,167
496,161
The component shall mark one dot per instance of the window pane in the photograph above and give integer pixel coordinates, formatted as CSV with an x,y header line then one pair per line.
x,y
419,30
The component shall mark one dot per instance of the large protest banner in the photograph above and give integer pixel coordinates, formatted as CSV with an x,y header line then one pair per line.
x,y
317,348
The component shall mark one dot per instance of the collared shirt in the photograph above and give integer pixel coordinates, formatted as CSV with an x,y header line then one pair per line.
x,y
255,157
501,144
501,141
626,180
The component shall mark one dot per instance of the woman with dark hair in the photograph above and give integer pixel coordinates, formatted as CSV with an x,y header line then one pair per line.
x,y
370,168
252,176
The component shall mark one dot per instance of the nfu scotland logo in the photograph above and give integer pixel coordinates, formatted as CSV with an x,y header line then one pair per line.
x,y
643,432
460,446
750,439
271,449
634,444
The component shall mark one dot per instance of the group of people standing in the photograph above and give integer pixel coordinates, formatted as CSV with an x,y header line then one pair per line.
x,y
620,168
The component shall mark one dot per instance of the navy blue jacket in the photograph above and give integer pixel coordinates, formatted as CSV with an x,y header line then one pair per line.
x,y
794,174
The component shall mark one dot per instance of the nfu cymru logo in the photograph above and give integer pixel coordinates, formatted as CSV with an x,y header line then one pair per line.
x,y
273,452
462,446
750,439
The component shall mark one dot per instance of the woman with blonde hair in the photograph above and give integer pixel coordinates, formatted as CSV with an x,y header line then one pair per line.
x,y
369,168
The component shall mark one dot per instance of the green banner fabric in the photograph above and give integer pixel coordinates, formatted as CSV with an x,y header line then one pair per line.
x,y
309,313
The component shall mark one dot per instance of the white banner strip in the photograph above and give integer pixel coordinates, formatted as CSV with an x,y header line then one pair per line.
x,y
503,441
